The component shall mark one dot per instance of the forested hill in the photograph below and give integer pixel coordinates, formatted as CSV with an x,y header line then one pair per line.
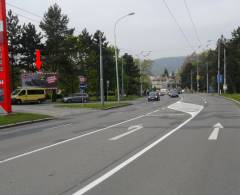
x,y
171,63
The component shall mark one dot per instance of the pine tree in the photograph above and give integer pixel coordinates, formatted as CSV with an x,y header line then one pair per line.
x,y
30,41
14,36
55,28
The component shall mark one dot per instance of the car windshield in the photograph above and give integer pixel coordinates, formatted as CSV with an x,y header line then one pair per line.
x,y
152,94
15,92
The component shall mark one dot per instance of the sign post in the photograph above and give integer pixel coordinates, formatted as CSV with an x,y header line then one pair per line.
x,y
5,91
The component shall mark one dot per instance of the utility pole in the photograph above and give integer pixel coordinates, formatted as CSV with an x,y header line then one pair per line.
x,y
207,78
141,86
197,76
108,82
191,81
122,91
225,73
218,73
101,70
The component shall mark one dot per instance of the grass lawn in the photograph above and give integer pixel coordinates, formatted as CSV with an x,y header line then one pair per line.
x,y
114,98
107,105
20,117
235,96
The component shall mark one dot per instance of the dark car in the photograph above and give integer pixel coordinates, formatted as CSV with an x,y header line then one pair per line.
x,y
173,93
153,96
76,98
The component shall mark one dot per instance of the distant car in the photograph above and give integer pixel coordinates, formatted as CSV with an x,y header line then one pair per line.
x,y
76,98
153,96
173,93
164,91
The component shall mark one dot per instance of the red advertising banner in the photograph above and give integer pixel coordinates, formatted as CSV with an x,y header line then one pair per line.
x,y
5,91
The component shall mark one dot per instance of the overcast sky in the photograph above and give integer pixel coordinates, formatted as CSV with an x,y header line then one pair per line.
x,y
151,28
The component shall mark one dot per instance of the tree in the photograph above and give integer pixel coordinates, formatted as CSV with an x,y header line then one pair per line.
x,y
166,74
55,28
30,41
233,62
132,79
56,31
14,36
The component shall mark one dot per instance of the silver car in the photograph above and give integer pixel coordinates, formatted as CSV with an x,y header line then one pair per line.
x,y
76,98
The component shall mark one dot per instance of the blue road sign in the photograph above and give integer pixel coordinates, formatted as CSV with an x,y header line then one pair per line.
x,y
219,78
83,86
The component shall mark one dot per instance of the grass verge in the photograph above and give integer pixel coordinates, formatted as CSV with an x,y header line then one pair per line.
x,y
234,96
107,105
114,98
20,117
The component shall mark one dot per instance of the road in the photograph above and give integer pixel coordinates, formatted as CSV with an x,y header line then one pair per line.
x,y
179,146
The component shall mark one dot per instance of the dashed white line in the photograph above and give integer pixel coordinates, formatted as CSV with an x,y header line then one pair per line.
x,y
131,129
72,139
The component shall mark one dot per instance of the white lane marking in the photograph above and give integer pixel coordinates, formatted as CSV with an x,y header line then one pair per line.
x,y
137,155
166,115
215,132
72,139
131,130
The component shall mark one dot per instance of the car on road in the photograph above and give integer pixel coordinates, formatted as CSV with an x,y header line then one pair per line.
x,y
76,98
153,96
163,91
28,95
173,93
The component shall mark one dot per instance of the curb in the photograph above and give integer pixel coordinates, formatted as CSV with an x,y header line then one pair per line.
x,y
25,123
232,100
115,107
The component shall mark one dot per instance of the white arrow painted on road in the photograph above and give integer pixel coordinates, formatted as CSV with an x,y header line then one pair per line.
x,y
131,129
214,134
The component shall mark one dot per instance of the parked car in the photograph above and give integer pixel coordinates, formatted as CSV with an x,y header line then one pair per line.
x,y
27,95
153,96
76,98
173,93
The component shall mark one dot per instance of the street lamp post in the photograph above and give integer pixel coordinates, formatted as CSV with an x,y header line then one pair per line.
x,y
225,67
122,91
116,53
198,69
218,71
140,68
101,70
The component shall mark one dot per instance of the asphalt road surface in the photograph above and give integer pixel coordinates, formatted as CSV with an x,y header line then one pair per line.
x,y
184,146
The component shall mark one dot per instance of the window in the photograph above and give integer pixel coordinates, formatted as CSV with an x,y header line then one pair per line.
x,y
1,95
35,92
23,92
15,92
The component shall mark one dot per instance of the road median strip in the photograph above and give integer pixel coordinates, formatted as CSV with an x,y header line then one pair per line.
x,y
98,106
17,119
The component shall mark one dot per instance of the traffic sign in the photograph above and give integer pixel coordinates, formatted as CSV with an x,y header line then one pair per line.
x,y
225,87
219,78
83,86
